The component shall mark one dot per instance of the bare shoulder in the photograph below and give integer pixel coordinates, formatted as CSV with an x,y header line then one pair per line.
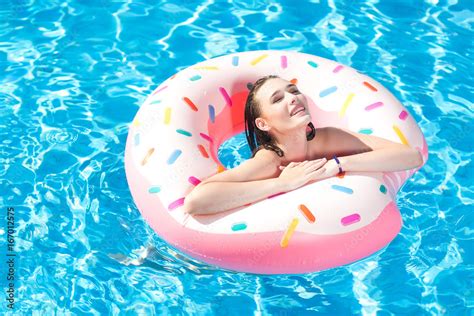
x,y
263,165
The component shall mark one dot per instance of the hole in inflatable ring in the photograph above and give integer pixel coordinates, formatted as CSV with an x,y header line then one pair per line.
x,y
234,151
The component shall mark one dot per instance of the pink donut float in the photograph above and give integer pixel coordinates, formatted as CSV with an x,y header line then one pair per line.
x,y
172,146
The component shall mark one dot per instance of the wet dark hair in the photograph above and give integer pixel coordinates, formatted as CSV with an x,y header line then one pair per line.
x,y
256,138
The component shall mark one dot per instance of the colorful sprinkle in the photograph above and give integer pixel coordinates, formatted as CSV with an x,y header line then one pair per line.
x,y
400,134
147,156
235,60
351,219
258,59
288,233
337,69
161,89
212,113
383,189
206,137
346,104
226,96
307,213
136,123
367,131
207,67
368,85
294,81
137,139
327,91
154,189
167,116
203,151
312,64
194,78
220,168
373,106
342,188
183,132
155,102
179,202
190,103
194,181
283,61
341,175
403,115
174,155
239,226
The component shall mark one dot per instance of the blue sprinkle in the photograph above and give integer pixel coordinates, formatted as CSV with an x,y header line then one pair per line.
x,y
155,189
342,188
235,60
211,113
137,139
239,226
327,91
174,156
194,78
365,131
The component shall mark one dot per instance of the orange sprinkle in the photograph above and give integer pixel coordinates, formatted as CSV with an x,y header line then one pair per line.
x,y
190,103
203,151
220,168
341,175
172,76
307,213
368,85
294,81
147,156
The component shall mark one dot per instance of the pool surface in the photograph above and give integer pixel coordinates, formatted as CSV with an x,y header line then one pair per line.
x,y
73,74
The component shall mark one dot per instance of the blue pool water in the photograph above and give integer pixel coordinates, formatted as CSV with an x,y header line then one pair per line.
x,y
73,74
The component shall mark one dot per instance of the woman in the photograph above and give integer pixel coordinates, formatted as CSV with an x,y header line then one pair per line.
x,y
289,152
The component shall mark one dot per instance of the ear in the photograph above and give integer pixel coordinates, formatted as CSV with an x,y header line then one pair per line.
x,y
262,124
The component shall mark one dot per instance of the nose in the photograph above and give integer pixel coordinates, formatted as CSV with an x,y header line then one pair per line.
x,y
293,99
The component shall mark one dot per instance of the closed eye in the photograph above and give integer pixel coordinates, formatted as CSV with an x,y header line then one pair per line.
x,y
295,91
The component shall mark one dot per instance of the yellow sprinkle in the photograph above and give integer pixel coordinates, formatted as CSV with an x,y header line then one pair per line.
x,y
167,116
258,59
400,134
136,123
346,104
286,237
207,67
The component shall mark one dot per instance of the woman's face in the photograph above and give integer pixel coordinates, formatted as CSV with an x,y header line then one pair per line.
x,y
283,107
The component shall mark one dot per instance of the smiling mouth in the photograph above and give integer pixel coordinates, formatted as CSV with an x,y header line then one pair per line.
x,y
300,110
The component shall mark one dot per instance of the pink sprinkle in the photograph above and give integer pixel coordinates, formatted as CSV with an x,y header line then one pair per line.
x,y
274,195
373,106
351,219
160,90
206,137
403,115
336,70
175,204
284,61
224,93
194,181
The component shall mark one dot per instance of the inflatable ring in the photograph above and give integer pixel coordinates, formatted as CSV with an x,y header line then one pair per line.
x,y
172,146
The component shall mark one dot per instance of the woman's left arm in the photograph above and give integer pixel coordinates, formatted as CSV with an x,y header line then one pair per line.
x,y
361,152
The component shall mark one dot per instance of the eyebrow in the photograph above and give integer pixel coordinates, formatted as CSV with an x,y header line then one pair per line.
x,y
287,86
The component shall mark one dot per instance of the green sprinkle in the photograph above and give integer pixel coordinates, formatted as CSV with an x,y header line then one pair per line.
x,y
239,226
185,133
155,189
383,189
194,78
366,131
155,102
312,64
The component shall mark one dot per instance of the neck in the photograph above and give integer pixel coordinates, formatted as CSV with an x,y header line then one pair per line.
x,y
294,145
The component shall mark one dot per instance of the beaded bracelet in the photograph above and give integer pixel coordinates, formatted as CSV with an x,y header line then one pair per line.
x,y
338,163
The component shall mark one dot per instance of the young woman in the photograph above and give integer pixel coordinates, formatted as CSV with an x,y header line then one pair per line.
x,y
289,152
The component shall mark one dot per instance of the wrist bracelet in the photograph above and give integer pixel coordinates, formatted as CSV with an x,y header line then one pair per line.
x,y
338,163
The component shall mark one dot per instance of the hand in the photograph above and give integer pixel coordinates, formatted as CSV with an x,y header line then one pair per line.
x,y
331,169
297,174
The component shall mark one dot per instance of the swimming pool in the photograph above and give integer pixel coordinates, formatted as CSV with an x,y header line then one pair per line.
x,y
73,75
